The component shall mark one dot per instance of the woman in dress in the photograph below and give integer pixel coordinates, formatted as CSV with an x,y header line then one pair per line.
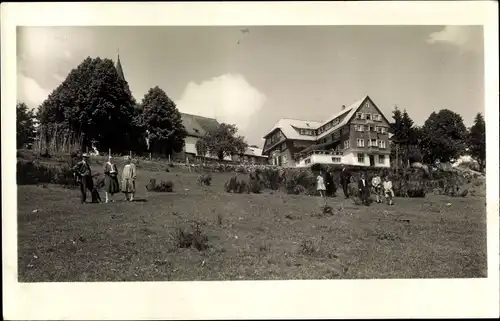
x,y
388,192
320,184
377,187
128,180
110,179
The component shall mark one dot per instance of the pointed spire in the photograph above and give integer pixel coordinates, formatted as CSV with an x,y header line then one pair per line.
x,y
119,68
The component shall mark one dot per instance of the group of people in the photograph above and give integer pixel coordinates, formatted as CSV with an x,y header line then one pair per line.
x,y
381,188
83,174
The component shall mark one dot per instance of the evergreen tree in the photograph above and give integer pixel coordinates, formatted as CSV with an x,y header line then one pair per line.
x,y
406,138
477,140
163,122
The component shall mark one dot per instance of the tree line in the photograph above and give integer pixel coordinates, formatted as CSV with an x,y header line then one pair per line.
x,y
94,106
443,137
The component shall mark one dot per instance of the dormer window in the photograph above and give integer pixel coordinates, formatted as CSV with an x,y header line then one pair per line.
x,y
368,116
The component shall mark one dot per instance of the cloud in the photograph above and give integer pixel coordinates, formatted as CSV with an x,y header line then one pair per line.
x,y
229,98
464,37
30,92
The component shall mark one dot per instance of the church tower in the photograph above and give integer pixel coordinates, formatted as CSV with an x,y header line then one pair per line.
x,y
119,68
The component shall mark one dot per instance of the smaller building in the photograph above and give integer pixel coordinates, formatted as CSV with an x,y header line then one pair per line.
x,y
197,126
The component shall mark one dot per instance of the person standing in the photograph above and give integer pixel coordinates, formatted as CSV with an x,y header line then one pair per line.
x,y
364,189
329,184
320,184
345,179
84,177
377,187
110,179
388,191
128,179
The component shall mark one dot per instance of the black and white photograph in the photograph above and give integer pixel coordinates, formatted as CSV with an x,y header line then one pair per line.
x,y
250,152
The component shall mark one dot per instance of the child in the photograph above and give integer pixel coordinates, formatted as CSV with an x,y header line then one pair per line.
x,y
388,192
320,184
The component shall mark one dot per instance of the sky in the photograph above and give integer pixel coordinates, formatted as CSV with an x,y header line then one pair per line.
x,y
254,78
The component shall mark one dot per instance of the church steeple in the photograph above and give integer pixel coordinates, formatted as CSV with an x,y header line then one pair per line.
x,y
119,68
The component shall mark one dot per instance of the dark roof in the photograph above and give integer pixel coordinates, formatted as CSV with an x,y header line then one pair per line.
x,y
197,125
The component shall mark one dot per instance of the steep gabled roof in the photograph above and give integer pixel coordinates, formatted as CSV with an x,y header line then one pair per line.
x,y
198,125
350,110
287,127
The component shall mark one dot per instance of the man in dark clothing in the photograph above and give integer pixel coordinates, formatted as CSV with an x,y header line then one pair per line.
x,y
330,184
345,179
83,175
364,189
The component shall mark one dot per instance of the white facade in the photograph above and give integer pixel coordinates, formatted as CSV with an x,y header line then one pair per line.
x,y
351,158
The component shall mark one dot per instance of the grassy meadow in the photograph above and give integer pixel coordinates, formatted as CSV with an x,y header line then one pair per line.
x,y
203,233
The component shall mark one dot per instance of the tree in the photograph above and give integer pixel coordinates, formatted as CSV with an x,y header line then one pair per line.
x,y
163,122
92,104
477,140
25,124
406,136
222,142
443,136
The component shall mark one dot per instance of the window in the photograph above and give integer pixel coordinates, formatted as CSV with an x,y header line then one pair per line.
x,y
307,161
359,128
382,130
361,158
362,115
368,116
372,142
381,143
367,104
283,159
336,159
371,128
302,132
347,144
381,159
358,116
377,117
360,142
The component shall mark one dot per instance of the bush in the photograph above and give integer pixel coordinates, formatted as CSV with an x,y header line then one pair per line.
x,y
236,185
300,177
205,179
32,172
271,178
299,190
164,186
191,237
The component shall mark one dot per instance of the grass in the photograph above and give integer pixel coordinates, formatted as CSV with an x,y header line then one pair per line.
x,y
264,236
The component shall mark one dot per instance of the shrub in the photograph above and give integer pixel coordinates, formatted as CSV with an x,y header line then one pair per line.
x,y
299,190
32,172
236,185
302,177
164,186
271,178
191,237
205,179
255,186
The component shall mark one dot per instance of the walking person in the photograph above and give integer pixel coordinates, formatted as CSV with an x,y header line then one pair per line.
x,y
111,185
345,179
377,187
388,191
364,189
83,175
128,179
320,184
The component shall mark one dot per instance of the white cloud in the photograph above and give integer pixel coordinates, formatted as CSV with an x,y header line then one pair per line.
x,y
229,98
30,92
464,37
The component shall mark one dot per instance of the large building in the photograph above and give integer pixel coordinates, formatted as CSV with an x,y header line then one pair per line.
x,y
196,126
356,135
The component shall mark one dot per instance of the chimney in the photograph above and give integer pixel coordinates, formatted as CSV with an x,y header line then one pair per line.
x,y
343,107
